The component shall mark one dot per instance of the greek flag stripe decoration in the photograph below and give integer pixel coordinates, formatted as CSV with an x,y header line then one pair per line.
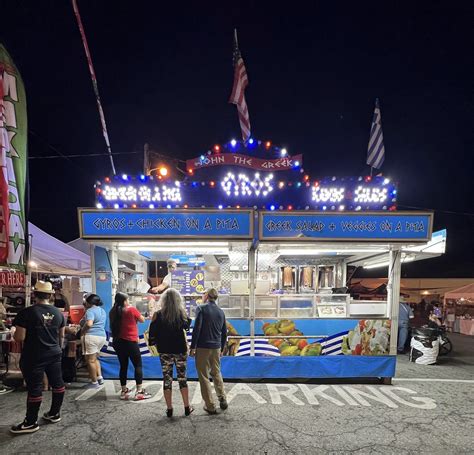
x,y
376,149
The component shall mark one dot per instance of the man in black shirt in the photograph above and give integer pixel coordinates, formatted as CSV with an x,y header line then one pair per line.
x,y
41,328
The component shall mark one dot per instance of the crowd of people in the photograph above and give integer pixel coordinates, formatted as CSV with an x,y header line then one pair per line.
x,y
41,328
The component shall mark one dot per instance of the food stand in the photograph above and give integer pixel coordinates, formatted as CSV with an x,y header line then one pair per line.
x,y
50,258
459,309
275,244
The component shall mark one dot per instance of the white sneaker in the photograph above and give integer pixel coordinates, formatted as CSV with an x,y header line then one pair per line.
x,y
125,394
142,395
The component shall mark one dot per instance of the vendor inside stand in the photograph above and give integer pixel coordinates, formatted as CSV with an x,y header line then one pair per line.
x,y
192,267
166,283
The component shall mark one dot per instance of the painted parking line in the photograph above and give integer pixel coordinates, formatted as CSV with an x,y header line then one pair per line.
x,y
462,381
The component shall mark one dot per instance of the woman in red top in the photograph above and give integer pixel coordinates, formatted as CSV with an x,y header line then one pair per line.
x,y
123,322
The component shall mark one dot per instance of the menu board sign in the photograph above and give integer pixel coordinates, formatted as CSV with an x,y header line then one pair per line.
x,y
188,282
346,226
159,224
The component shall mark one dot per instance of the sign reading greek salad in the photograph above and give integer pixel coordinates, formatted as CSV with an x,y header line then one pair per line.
x,y
399,226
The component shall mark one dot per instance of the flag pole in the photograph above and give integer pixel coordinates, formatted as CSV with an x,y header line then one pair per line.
x,y
236,39
94,84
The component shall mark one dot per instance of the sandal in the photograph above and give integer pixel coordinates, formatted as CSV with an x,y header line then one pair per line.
x,y
188,410
169,412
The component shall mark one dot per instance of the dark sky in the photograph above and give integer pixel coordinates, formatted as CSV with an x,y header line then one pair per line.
x,y
165,74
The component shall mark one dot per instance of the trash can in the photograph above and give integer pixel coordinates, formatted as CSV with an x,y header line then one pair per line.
x,y
424,346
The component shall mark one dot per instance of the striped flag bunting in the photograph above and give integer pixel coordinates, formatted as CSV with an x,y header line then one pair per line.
x,y
332,345
376,150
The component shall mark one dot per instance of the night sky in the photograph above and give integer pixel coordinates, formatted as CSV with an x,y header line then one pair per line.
x,y
165,75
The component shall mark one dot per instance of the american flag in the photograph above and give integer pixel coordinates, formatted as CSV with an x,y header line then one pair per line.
x,y
238,91
376,150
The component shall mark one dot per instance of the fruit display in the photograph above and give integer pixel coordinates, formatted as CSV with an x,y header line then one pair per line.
x,y
232,345
369,337
290,346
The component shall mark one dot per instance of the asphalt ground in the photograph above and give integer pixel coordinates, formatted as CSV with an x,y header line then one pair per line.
x,y
427,409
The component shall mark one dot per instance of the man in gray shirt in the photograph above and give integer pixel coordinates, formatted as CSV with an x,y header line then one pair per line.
x,y
208,342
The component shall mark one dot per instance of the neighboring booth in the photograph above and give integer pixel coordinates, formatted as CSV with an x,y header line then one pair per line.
x,y
49,256
61,263
459,309
277,249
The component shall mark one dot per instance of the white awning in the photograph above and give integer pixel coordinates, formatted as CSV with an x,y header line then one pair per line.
x,y
50,255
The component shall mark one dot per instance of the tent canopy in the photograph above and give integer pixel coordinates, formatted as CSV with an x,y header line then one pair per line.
x,y
50,255
464,292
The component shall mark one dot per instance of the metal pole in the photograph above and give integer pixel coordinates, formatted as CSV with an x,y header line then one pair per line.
x,y
28,272
114,266
93,275
146,163
252,275
94,84
393,295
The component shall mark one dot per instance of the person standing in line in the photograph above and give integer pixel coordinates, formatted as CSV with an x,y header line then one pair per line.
x,y
168,333
60,300
208,342
41,328
123,323
405,313
93,331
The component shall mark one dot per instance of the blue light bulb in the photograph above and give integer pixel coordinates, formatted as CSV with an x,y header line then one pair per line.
x,y
233,142
251,141
272,207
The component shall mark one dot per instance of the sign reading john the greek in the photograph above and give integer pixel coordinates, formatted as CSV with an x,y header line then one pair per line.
x,y
124,224
312,226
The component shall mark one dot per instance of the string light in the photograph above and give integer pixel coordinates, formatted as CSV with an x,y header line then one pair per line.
x,y
370,194
245,188
325,194
241,185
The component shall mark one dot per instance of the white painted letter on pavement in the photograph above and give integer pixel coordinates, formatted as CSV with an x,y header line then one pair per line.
x,y
426,403
244,389
276,391
310,394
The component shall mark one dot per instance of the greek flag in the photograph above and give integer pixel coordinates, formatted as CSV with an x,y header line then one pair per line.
x,y
376,150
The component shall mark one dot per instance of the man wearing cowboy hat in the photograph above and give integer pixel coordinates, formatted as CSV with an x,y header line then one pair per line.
x,y
41,329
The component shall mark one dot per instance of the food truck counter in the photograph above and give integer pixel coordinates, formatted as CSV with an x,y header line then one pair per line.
x,y
284,291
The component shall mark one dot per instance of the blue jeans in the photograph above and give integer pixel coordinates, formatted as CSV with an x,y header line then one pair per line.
x,y
402,335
